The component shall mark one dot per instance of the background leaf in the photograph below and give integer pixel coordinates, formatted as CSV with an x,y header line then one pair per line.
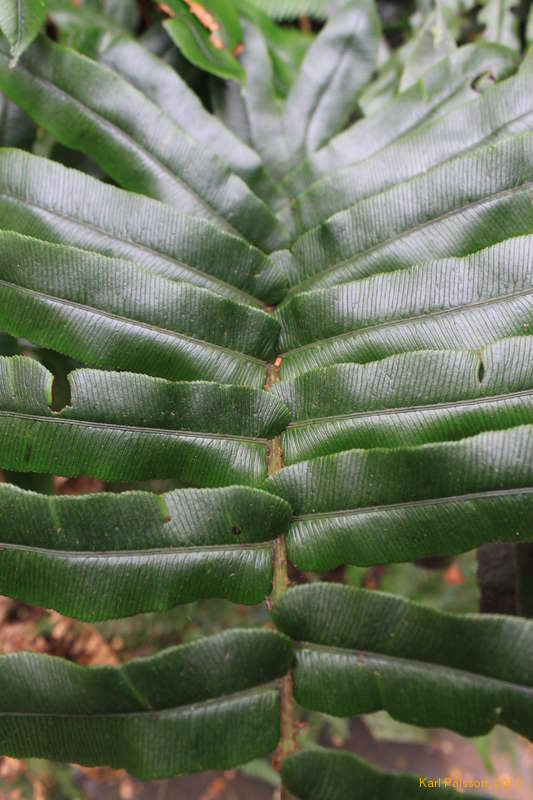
x,y
139,437
209,44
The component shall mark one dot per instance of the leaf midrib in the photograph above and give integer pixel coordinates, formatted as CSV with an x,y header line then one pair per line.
x,y
146,553
434,501
410,134
411,409
259,688
408,320
248,299
121,134
131,321
400,660
133,428
523,187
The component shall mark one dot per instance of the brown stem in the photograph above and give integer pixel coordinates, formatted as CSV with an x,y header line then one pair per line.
x,y
280,584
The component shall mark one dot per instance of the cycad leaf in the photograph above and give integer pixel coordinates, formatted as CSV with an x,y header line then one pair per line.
x,y
321,774
109,312
448,303
504,109
104,556
382,90
377,506
161,84
286,45
333,73
435,90
409,399
88,107
121,426
366,651
46,200
205,705
461,206
264,110
20,22
227,101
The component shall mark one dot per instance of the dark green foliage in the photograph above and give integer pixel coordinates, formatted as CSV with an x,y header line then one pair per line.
x,y
300,294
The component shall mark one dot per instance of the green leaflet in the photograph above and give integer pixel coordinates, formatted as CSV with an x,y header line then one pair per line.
x,y
264,111
287,47
228,104
88,107
448,303
408,473
320,774
109,312
365,651
408,399
157,716
332,75
20,22
427,97
385,505
454,209
121,426
504,109
43,199
161,84
103,556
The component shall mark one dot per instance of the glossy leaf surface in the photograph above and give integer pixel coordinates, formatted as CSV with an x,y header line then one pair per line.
x,y
381,505
156,716
365,651
430,96
50,202
106,555
108,312
88,107
448,303
121,426
333,73
502,110
320,774
413,398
